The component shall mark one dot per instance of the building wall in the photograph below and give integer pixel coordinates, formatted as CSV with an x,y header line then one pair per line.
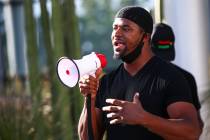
x,y
190,21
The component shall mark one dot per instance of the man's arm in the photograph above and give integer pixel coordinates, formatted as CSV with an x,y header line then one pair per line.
x,y
182,125
89,85
98,129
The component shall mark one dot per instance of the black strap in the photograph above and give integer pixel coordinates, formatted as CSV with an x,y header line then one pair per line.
x,y
89,117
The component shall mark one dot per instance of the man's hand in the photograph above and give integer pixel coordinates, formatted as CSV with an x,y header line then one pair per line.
x,y
123,111
89,84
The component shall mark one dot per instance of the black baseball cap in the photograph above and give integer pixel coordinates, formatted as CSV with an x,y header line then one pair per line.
x,y
163,42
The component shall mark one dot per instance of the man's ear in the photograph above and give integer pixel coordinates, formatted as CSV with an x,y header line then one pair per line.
x,y
146,37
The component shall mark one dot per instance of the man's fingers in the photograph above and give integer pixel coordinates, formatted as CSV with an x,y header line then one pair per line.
x,y
112,115
86,89
90,82
115,102
115,110
112,108
117,120
136,98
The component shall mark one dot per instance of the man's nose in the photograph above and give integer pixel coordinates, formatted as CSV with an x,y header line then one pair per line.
x,y
117,32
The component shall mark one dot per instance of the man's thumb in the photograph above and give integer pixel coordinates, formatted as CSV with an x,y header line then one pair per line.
x,y
136,98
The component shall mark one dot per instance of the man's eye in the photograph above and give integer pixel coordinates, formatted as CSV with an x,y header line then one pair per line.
x,y
126,29
114,27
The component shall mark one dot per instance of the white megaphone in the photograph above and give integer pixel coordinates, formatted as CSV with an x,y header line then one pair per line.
x,y
69,71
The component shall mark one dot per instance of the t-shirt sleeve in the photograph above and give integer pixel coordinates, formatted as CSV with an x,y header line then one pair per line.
x,y
193,89
177,90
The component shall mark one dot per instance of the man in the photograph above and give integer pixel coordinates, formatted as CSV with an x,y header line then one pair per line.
x,y
144,98
163,40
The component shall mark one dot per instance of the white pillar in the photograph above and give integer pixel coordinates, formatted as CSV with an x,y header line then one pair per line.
x,y
19,33
15,35
190,21
1,67
9,28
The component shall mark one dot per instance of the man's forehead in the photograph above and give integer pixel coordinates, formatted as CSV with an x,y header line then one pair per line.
x,y
121,21
125,22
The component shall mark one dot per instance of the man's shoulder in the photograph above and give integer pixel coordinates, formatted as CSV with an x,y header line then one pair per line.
x,y
168,71
164,67
183,71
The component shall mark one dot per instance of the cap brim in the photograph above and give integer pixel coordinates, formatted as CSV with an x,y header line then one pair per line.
x,y
168,55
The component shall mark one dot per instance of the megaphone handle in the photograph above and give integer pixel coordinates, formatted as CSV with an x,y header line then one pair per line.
x,y
89,117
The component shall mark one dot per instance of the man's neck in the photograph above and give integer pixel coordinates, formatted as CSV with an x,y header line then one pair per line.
x,y
138,64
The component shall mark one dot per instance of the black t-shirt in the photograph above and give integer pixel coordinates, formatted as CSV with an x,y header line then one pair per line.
x,y
158,83
192,84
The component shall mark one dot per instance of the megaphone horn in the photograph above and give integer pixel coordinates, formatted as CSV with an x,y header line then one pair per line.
x,y
69,71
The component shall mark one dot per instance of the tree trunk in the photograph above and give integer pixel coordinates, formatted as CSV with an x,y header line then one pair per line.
x,y
60,96
32,51
34,73
72,49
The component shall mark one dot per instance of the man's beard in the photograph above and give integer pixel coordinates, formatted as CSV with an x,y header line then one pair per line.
x,y
132,56
118,56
